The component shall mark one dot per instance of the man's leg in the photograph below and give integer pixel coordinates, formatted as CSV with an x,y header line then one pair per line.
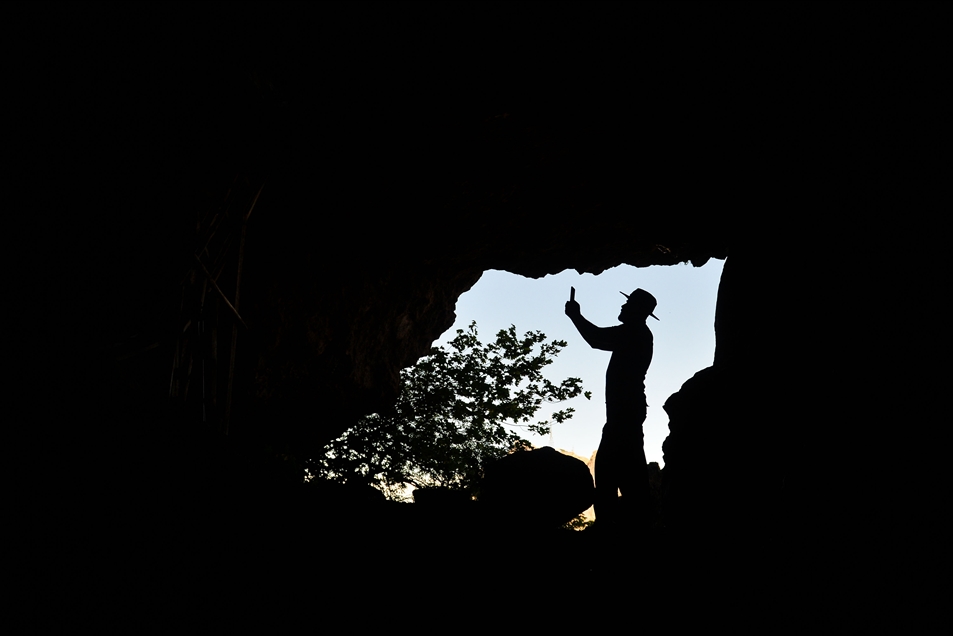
x,y
634,483
621,466
607,479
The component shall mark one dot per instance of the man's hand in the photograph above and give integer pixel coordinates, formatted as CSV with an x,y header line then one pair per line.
x,y
572,309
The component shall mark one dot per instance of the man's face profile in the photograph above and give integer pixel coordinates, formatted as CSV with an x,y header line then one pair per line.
x,y
627,312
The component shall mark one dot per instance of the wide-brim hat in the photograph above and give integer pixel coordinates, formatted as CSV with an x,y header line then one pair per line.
x,y
643,298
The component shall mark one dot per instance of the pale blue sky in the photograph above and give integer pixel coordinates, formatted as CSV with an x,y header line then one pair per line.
x,y
684,336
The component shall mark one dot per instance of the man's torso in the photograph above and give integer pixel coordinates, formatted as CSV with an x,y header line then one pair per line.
x,y
625,376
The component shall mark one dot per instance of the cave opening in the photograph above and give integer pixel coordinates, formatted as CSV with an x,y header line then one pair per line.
x,y
684,337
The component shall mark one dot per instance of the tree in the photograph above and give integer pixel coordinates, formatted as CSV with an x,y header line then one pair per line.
x,y
459,409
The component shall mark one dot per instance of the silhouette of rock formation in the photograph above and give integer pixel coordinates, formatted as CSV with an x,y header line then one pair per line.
x,y
540,488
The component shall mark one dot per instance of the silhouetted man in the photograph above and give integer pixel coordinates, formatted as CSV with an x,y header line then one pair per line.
x,y
620,460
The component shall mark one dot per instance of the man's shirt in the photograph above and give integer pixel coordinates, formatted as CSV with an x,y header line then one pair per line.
x,y
631,347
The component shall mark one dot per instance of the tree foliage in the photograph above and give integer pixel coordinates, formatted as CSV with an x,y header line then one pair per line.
x,y
460,408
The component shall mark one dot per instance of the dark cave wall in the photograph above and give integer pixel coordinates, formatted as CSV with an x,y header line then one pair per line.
x,y
816,165
327,349
751,411
808,145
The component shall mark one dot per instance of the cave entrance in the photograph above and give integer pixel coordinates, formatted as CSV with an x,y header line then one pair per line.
x,y
684,337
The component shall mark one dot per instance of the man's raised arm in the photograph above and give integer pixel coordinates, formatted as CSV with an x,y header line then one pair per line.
x,y
597,337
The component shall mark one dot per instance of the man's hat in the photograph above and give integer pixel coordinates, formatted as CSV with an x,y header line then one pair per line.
x,y
643,298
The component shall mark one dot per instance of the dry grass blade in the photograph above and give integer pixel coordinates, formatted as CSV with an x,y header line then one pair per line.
x,y
224,298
